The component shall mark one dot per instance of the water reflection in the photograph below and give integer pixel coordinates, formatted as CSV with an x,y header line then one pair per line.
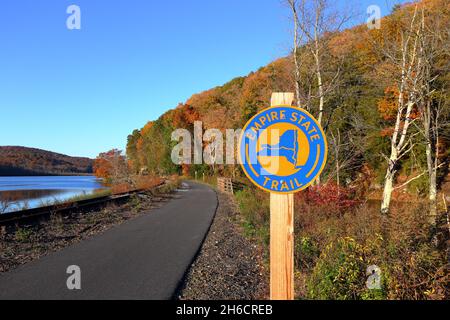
x,y
18,193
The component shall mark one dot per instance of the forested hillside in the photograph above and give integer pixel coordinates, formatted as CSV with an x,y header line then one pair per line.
x,y
20,161
359,102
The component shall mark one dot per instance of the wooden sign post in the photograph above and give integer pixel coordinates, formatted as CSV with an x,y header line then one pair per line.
x,y
282,232
298,147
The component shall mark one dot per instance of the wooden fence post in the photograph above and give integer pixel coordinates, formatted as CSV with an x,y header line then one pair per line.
x,y
282,232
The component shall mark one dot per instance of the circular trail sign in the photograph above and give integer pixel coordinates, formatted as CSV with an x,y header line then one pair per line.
x,y
283,149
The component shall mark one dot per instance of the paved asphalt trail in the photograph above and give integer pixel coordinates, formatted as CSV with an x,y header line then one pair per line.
x,y
144,258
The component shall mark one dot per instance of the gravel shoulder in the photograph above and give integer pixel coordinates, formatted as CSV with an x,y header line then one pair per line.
x,y
229,266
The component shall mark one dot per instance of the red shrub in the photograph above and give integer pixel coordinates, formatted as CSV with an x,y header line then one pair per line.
x,y
333,198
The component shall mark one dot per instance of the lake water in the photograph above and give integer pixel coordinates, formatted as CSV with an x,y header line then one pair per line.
x,y
32,192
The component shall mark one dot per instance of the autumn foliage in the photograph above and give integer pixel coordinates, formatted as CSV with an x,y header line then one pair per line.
x,y
111,166
18,161
389,104
336,199
338,225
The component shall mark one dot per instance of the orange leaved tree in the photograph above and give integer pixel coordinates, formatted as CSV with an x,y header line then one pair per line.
x,y
111,166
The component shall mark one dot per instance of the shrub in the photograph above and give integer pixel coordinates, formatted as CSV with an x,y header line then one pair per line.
x,y
417,273
330,198
340,272
23,234
306,252
254,205
255,209
334,245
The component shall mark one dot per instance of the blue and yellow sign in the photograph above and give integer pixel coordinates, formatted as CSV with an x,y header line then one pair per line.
x,y
283,149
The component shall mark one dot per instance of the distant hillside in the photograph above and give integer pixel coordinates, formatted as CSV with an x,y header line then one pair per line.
x,y
22,161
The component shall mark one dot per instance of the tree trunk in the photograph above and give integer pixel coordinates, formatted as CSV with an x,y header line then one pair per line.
x,y
296,62
433,198
387,192
389,180
321,97
431,162
320,87
338,179
407,99
432,182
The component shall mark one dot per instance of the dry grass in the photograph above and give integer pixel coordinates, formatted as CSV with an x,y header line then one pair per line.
x,y
335,244
137,183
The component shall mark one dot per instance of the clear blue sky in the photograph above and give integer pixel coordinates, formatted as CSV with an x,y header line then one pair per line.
x,y
80,92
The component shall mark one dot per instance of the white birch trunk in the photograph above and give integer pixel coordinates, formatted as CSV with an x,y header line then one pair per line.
x,y
408,54
389,180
